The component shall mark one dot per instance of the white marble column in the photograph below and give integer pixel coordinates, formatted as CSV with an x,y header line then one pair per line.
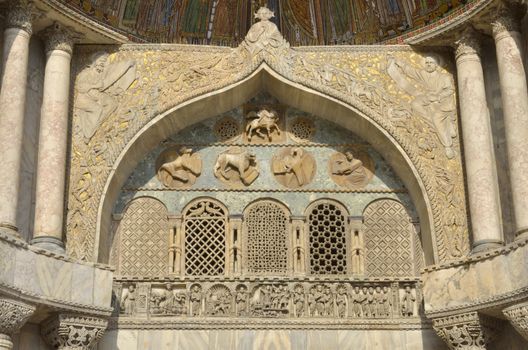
x,y
508,43
53,140
12,104
479,157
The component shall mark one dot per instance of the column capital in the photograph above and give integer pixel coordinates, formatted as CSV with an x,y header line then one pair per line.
x,y
20,15
13,315
73,331
59,37
466,331
469,43
508,18
518,317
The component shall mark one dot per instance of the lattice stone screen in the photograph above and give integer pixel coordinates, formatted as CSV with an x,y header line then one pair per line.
x,y
144,239
388,242
266,226
205,244
327,239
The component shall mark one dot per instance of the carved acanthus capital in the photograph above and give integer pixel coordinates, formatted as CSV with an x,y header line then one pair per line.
x,y
518,317
466,331
73,332
468,44
20,15
508,18
59,37
13,315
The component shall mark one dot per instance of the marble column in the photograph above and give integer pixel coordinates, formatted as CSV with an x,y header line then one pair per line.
x,y
53,141
233,259
12,105
298,240
479,157
13,315
508,43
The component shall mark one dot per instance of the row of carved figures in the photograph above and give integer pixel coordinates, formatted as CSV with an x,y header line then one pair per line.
x,y
292,167
270,300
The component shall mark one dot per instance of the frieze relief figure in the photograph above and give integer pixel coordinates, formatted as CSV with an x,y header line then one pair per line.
x,y
386,302
195,299
236,167
434,97
341,301
98,86
263,125
299,300
407,302
218,301
293,167
350,170
270,301
357,302
167,302
241,301
128,300
179,169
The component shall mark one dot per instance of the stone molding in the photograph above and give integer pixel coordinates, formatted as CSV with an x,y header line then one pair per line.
x,y
466,331
518,317
20,15
469,44
508,18
73,332
59,37
13,315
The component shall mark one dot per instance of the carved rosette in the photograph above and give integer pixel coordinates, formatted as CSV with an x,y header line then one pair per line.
x,y
73,332
466,331
469,43
13,315
518,317
508,19
58,37
20,15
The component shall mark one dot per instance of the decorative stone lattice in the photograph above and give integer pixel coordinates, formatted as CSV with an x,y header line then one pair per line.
x,y
302,130
388,239
227,129
144,239
327,240
205,244
266,236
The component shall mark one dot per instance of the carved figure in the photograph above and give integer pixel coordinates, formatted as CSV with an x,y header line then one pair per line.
x,y
298,300
263,120
236,166
316,300
263,35
293,167
371,303
328,301
341,301
433,93
357,301
378,300
179,169
98,86
219,301
407,303
241,301
195,299
387,302
128,301
349,171
365,309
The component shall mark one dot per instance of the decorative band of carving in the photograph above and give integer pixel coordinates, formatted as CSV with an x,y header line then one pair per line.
x,y
69,331
468,44
518,317
268,190
19,15
13,315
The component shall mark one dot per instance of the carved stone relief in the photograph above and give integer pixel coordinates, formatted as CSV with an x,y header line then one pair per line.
x,y
179,169
236,167
13,315
351,169
293,167
263,126
219,301
71,331
170,301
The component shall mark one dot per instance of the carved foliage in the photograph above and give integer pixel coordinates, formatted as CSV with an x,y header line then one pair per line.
x,y
144,233
518,317
65,331
13,315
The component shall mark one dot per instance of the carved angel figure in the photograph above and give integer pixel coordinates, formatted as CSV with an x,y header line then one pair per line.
x,y
97,87
179,169
434,97
262,120
236,166
263,34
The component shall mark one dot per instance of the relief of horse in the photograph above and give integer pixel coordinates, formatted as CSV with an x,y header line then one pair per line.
x,y
263,120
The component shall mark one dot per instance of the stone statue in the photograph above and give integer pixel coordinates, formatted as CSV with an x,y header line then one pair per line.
x,y
365,309
387,302
128,301
293,167
341,301
434,97
179,169
378,299
97,88
328,301
370,305
236,167
263,123
316,300
349,171
298,300
263,35
407,303
195,299
241,301
357,301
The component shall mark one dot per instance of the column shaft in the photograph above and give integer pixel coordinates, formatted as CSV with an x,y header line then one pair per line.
x,y
12,107
508,42
53,140
478,146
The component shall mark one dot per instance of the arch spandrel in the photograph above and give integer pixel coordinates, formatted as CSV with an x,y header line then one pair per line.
x,y
175,86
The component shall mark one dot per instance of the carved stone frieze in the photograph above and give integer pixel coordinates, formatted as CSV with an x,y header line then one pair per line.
x,y
293,167
236,167
179,169
72,331
466,331
13,315
518,317
352,169
19,15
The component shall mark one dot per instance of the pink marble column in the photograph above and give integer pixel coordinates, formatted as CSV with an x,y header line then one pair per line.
x,y
508,43
53,140
479,158
12,105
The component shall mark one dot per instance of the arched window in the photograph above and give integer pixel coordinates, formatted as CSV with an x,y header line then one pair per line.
x,y
266,225
204,224
327,238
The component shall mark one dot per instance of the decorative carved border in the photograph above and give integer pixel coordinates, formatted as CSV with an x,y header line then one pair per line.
x,y
265,190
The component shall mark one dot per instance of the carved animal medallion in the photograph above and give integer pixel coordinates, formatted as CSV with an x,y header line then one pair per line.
x,y
293,167
179,169
352,169
236,167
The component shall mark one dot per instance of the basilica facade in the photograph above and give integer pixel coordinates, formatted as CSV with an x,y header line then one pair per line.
x,y
264,182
